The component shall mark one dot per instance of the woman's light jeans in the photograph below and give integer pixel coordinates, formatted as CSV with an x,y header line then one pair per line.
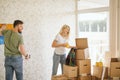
x,y
56,60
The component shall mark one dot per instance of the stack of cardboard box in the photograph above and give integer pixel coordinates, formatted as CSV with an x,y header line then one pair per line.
x,y
70,72
114,68
82,59
113,65
98,72
82,70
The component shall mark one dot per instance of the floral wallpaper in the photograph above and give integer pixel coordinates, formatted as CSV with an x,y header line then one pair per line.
x,y
42,21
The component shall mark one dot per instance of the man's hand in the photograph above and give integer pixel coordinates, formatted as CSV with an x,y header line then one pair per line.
x,y
23,51
2,28
27,56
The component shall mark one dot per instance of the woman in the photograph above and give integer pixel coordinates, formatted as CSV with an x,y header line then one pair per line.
x,y
60,43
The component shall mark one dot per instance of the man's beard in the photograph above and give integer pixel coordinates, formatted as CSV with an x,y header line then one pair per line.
x,y
19,31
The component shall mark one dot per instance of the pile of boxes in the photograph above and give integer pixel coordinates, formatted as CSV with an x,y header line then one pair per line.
x,y
115,69
82,70
82,59
113,65
110,70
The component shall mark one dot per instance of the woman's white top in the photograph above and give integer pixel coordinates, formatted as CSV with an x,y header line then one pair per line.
x,y
60,40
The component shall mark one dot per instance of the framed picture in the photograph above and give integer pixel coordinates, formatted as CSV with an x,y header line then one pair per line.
x,y
8,27
1,40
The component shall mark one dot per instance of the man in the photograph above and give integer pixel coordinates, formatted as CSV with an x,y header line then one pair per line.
x,y
13,50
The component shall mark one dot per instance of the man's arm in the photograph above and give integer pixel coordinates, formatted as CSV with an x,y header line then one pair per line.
x,y
2,28
23,52
0,32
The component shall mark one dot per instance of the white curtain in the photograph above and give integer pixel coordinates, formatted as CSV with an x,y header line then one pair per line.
x,y
114,28
118,52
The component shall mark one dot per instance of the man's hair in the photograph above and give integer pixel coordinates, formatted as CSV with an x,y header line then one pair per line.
x,y
17,22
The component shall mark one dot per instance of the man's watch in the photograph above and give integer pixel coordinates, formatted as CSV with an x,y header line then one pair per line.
x,y
26,55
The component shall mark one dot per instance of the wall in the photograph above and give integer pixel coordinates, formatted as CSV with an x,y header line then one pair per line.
x,y
42,21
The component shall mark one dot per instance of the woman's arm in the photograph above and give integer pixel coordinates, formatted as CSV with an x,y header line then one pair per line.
x,y
54,44
69,46
72,47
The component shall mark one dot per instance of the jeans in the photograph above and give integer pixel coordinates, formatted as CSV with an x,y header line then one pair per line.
x,y
56,60
13,64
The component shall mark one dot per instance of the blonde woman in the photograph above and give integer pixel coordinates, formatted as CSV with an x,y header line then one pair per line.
x,y
60,43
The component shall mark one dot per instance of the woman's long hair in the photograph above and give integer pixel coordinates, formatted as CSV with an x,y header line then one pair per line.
x,y
65,27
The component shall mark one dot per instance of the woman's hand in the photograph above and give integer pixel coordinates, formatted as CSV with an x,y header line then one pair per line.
x,y
65,45
73,47
69,46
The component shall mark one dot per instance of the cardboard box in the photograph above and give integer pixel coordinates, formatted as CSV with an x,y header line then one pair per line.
x,y
81,43
74,78
116,78
95,78
105,73
77,63
107,63
97,71
109,60
85,77
82,53
59,77
108,71
115,69
84,66
70,71
114,60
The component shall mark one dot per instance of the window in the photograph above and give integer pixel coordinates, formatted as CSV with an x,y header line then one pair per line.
x,y
93,23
